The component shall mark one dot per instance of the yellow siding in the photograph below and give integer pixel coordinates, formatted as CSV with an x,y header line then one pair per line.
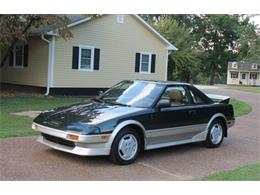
x,y
36,72
118,45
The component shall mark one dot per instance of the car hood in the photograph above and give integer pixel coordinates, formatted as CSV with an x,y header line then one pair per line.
x,y
77,117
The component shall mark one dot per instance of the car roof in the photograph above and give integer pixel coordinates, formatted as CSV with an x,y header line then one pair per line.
x,y
162,82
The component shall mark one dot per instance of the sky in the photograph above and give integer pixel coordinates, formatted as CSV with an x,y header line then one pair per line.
x,y
256,20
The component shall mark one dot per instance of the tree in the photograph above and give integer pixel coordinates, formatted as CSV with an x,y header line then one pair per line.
x,y
14,28
221,38
181,63
213,40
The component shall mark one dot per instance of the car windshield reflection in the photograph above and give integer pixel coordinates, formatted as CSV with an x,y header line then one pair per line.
x,y
133,93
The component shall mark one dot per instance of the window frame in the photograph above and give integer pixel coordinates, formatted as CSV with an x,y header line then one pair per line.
x,y
149,63
191,103
92,48
14,56
231,73
195,93
243,74
120,18
254,67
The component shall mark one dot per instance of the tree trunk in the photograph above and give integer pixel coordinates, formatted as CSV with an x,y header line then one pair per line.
x,y
212,74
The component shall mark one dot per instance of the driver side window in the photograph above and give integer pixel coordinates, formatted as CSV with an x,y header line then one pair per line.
x,y
176,95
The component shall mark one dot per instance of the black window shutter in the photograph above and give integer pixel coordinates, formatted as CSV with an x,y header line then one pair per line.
x,y
25,56
153,63
137,62
11,58
75,58
96,59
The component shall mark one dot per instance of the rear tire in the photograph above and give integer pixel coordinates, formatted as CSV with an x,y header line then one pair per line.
x,y
126,147
215,134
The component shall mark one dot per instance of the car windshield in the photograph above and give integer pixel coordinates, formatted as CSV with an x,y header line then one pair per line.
x,y
133,93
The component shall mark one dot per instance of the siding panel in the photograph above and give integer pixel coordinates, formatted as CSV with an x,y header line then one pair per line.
x,y
36,72
118,44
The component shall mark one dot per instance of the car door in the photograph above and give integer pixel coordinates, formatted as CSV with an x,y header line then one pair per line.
x,y
178,121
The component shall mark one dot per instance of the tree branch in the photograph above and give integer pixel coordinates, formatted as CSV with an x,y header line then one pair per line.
x,y
27,27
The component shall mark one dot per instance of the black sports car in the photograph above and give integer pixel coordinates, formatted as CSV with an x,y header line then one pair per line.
x,y
136,115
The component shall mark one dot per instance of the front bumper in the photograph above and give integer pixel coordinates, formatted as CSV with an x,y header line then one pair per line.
x,y
86,145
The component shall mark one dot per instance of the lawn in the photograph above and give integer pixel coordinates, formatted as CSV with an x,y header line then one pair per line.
x,y
245,88
14,126
240,108
245,173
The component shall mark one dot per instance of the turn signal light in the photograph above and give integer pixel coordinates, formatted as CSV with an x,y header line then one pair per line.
x,y
104,136
73,137
34,126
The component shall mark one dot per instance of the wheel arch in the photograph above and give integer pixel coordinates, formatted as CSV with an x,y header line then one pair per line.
x,y
129,123
222,118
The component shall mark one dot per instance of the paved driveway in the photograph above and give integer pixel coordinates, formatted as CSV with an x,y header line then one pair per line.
x,y
25,159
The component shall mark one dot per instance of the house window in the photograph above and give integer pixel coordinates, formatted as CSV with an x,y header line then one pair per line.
x,y
243,76
253,76
86,58
18,56
254,66
120,18
234,75
234,65
145,63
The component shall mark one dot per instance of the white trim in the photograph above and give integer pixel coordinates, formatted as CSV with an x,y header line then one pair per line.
x,y
14,56
52,32
166,65
52,60
91,59
170,46
149,63
79,22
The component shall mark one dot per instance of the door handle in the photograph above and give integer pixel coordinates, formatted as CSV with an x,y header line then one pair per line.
x,y
192,112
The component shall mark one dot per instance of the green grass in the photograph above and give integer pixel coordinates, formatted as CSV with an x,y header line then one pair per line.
x,y
245,88
245,173
240,108
14,126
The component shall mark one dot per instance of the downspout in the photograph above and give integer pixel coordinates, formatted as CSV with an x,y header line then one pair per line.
x,y
49,64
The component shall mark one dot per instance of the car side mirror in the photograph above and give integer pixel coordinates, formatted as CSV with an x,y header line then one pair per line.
x,y
163,103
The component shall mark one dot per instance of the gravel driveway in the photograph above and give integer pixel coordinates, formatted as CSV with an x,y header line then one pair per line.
x,y
25,159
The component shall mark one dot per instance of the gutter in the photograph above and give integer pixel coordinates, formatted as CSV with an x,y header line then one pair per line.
x,y
51,49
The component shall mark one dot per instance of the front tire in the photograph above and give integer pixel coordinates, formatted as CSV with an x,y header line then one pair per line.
x,y
126,147
215,135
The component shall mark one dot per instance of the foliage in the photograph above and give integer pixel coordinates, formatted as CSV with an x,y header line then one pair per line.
x,y
13,125
240,108
206,43
182,63
245,173
14,28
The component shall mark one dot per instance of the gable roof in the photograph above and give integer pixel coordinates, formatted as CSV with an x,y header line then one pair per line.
x,y
77,19
243,66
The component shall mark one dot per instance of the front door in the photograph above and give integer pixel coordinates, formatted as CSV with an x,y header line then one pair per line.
x,y
178,121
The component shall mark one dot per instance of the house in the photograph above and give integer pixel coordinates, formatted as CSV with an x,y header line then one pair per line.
x,y
243,74
102,52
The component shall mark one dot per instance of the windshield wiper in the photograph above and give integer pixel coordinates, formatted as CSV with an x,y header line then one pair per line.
x,y
98,100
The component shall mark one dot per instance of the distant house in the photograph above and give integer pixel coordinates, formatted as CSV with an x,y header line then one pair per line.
x,y
243,74
102,52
